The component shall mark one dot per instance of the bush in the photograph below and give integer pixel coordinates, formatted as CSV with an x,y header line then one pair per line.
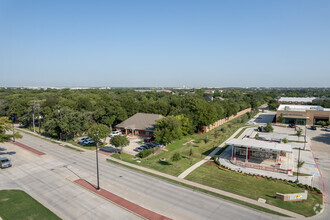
x,y
285,140
257,136
176,156
145,153
206,139
268,128
191,152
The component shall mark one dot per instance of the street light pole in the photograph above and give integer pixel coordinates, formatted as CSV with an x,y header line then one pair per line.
x,y
305,137
13,118
297,181
97,166
59,112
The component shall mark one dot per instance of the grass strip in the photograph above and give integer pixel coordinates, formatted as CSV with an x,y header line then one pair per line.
x,y
52,141
241,132
73,148
259,208
16,204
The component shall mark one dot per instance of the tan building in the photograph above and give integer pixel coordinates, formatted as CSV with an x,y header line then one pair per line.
x,y
302,114
140,124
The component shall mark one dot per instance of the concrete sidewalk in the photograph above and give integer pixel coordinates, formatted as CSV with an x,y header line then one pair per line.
x,y
207,158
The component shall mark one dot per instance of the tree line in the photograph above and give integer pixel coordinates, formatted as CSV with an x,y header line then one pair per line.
x,y
69,113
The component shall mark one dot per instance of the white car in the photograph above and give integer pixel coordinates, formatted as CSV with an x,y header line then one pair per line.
x,y
83,140
115,133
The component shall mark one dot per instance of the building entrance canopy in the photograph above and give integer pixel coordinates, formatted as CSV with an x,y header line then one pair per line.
x,y
261,145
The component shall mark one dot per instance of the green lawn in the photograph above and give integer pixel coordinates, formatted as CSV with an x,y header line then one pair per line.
x,y
254,188
16,204
199,149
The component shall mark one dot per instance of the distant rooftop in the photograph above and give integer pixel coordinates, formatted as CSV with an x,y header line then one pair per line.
x,y
297,99
301,108
257,144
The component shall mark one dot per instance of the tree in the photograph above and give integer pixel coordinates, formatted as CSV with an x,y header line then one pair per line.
x,y
299,131
98,132
168,129
269,128
176,157
280,118
119,141
5,127
216,134
285,140
186,124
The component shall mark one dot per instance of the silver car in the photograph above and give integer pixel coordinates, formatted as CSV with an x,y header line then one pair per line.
x,y
4,163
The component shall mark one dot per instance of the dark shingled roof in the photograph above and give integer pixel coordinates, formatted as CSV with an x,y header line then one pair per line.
x,y
141,121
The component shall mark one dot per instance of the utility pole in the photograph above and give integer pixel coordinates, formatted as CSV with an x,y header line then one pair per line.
x,y
13,119
38,106
34,128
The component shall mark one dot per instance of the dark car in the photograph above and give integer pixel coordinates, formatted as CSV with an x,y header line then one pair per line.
x,y
313,127
149,139
292,125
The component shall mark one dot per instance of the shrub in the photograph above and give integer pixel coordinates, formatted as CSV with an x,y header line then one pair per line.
x,y
176,156
257,136
206,139
269,128
285,140
145,153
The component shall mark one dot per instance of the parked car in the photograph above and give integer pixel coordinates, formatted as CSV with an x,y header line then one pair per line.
x,y
82,140
5,162
292,125
139,149
327,129
156,144
89,142
115,133
313,127
149,139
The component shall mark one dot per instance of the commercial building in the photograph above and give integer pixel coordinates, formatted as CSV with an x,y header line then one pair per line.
x,y
296,100
264,155
302,114
140,124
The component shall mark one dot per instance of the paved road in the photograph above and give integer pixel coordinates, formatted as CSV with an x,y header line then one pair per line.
x,y
161,197
321,149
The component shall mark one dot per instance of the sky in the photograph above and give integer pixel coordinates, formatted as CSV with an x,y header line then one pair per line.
x,y
165,43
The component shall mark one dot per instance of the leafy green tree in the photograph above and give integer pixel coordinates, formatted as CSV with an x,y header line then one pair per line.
x,y
186,124
119,141
176,157
298,133
269,128
98,132
168,129
280,118
5,127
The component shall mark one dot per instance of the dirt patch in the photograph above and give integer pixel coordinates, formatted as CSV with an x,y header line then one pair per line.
x,y
211,163
4,200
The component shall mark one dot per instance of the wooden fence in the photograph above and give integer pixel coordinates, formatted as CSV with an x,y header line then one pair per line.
x,y
216,124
